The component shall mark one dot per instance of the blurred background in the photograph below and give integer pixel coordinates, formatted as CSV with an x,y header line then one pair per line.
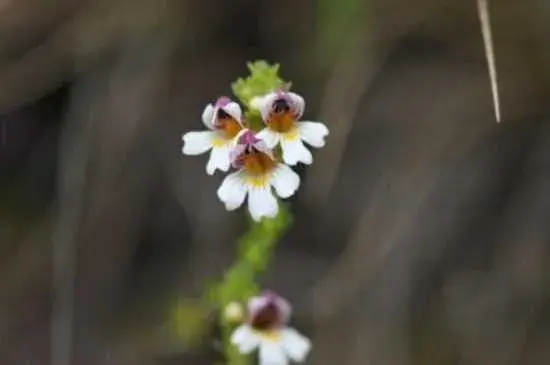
x,y
421,232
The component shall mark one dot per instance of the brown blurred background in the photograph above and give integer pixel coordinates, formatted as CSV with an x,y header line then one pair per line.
x,y
422,230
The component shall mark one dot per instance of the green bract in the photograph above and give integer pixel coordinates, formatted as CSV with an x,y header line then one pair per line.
x,y
263,79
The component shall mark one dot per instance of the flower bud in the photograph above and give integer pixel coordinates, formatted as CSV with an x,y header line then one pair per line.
x,y
233,312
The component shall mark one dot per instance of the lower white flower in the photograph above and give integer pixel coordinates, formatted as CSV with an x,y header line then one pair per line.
x,y
223,119
266,331
258,175
281,112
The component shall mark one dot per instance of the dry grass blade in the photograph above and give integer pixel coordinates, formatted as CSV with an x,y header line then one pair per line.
x,y
483,11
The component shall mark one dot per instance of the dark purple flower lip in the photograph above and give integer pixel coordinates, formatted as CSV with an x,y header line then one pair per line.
x,y
246,144
266,318
281,105
269,312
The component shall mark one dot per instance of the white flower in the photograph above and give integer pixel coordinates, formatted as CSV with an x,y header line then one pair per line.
x,y
223,119
257,176
266,331
281,112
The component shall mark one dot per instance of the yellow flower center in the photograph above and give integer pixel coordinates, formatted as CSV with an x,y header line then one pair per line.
x,y
292,134
257,165
229,126
282,121
270,335
219,141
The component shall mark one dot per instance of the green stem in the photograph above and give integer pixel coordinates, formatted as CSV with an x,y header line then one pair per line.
x,y
256,249
257,246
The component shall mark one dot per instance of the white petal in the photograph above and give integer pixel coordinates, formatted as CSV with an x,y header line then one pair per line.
x,y
232,191
262,203
219,159
196,143
294,151
245,339
234,110
285,181
298,103
208,116
313,133
295,345
271,353
270,137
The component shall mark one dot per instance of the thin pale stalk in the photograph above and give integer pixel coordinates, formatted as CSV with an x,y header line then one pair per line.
x,y
483,12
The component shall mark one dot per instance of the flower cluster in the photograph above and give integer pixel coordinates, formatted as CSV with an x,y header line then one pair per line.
x,y
266,330
261,159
